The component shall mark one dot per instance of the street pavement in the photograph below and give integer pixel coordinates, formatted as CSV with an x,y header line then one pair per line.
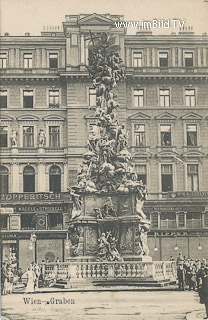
x,y
103,305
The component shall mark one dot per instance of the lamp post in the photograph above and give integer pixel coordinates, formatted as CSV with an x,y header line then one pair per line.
x,y
33,239
176,246
199,246
155,248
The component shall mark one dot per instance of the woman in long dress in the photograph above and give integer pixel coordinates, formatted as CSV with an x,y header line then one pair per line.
x,y
30,280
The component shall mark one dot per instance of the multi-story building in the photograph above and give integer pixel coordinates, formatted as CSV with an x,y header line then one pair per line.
x,y
45,97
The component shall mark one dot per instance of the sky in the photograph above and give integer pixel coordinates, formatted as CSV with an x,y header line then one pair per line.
x,y
20,16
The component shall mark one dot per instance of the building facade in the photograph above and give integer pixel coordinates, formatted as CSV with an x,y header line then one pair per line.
x,y
45,95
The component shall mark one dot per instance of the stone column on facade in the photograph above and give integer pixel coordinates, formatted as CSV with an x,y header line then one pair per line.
x,y
65,176
17,58
204,57
43,58
154,63
173,57
41,176
122,48
180,64
68,49
15,176
82,49
128,55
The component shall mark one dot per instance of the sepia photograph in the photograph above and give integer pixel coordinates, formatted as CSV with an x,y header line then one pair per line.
x,y
104,159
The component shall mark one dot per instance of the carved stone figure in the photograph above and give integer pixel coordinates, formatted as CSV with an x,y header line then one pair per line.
x,y
74,236
42,138
14,138
77,203
107,250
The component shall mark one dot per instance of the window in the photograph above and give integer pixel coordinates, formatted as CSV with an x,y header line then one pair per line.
x,y
138,97
54,98
193,220
28,179
206,219
4,180
27,60
55,221
164,97
139,133
28,221
141,171
155,220
54,136
3,137
137,59
53,60
3,60
192,177
188,59
163,59
3,98
3,222
181,219
167,220
165,134
27,98
28,137
55,179
167,177
92,97
191,133
190,98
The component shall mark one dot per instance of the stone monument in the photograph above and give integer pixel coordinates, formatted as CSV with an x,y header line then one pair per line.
x,y
107,221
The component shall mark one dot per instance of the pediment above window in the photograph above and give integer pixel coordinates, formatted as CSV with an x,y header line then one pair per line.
x,y
170,156
27,117
139,116
53,118
191,116
6,118
166,116
193,154
95,19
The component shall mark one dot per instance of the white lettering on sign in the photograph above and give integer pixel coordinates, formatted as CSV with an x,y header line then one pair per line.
x,y
6,210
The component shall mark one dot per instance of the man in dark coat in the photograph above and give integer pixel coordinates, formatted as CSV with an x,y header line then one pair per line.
x,y
181,277
203,289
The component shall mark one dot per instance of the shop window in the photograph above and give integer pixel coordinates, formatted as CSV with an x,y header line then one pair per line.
x,y
3,98
3,60
54,98
55,221
55,179
28,137
163,59
139,135
167,177
27,60
141,171
155,220
27,98
164,97
188,59
53,60
29,179
191,134
168,220
4,180
3,137
3,222
193,220
137,59
28,221
165,135
54,136
92,97
192,177
190,98
138,97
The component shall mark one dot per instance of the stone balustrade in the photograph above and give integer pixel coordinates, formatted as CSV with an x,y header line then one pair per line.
x,y
158,270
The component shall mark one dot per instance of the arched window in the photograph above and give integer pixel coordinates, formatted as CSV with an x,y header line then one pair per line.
x,y
55,179
4,180
29,179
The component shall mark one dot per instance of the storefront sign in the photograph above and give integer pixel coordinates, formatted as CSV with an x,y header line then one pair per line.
x,y
166,208
39,208
8,236
9,241
31,196
188,194
6,210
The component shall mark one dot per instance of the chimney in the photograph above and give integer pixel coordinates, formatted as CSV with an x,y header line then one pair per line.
x,y
27,34
6,34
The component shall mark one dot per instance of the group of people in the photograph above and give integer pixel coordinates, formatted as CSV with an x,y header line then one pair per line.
x,y
194,275
10,276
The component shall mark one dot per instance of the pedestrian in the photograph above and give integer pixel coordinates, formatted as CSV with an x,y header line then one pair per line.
x,y
37,274
192,278
19,274
181,277
30,280
204,290
180,259
10,278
